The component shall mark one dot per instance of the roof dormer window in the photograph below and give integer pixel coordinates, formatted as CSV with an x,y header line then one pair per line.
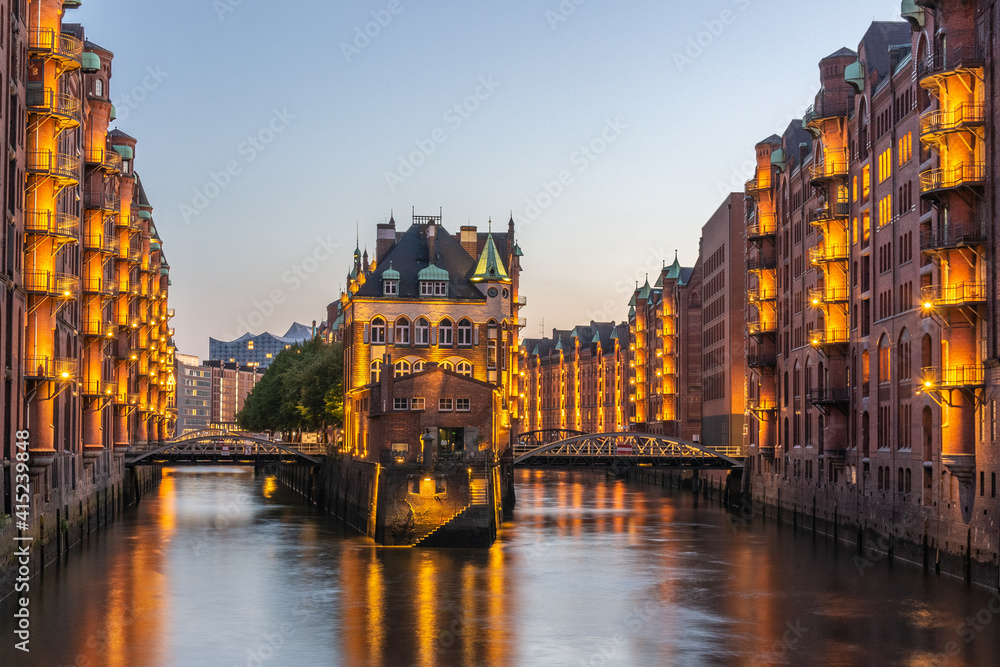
x,y
433,288
390,281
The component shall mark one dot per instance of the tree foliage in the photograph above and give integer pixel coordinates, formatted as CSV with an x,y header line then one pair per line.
x,y
303,389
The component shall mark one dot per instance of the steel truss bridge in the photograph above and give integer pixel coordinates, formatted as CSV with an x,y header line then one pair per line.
x,y
218,447
617,449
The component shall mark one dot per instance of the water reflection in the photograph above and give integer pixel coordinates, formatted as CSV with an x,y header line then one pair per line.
x,y
222,568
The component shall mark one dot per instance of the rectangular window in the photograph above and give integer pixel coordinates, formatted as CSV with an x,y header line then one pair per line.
x,y
440,289
491,354
416,404
885,164
904,148
865,182
400,403
445,405
462,404
390,287
885,210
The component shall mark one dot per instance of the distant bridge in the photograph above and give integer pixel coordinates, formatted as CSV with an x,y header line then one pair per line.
x,y
218,447
621,449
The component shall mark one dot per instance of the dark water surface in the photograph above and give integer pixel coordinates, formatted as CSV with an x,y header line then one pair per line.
x,y
222,568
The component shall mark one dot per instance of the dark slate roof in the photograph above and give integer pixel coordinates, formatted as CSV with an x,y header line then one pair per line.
x,y
118,134
686,272
298,332
877,40
410,255
843,51
141,193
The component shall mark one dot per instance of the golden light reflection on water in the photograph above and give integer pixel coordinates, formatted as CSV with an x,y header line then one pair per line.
x,y
270,486
376,608
426,603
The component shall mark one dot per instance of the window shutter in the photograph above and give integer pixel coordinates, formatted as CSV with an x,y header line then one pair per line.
x,y
367,332
475,335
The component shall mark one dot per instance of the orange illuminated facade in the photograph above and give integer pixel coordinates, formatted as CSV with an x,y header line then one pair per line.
x,y
86,334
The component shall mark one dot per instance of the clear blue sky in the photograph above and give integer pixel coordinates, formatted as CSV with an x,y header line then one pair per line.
x,y
312,118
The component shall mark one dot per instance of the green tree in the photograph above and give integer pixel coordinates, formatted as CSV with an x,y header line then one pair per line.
x,y
302,389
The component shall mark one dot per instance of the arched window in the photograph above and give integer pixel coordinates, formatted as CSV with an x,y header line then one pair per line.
x,y
926,358
447,365
464,368
903,356
378,331
865,369
865,439
909,481
881,478
422,332
445,331
899,480
402,332
883,360
464,332
927,432
99,87
376,371
402,368
419,366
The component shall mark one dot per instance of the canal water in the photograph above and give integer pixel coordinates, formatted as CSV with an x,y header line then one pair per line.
x,y
221,568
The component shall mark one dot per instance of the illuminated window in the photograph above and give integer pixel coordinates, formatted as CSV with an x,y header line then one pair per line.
x,y
376,367
268,355
854,188
904,148
422,332
464,368
378,331
249,344
447,365
885,164
464,332
402,368
885,210
416,404
419,366
865,182
402,333
445,333
866,226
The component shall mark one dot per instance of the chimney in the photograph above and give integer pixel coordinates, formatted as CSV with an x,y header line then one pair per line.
x,y
470,240
385,241
431,238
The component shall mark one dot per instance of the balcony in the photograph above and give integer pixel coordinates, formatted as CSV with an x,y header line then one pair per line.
x,y
761,225
107,160
824,215
759,183
104,243
95,388
954,235
128,222
828,295
47,223
49,283
130,254
61,166
965,174
828,252
965,116
50,368
100,285
956,294
823,337
758,294
756,360
952,377
941,65
829,396
46,102
833,166
762,262
170,313
761,328
832,107
126,286
99,200
762,405
522,301
99,329
65,49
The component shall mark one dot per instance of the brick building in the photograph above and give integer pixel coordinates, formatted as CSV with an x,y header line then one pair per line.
x,y
871,384
429,297
84,321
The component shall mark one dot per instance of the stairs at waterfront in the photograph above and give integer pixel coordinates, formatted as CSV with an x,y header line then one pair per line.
x,y
478,488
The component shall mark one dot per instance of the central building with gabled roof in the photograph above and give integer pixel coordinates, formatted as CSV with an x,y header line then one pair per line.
x,y
434,314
